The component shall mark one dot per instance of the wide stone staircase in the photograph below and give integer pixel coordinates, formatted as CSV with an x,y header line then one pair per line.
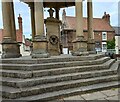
x,y
47,79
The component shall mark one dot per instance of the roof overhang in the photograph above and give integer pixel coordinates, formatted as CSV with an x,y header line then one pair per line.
x,y
53,3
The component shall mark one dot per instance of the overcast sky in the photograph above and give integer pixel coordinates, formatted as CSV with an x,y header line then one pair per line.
x,y
99,7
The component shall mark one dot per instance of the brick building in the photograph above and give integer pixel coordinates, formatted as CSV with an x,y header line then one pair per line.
x,y
102,30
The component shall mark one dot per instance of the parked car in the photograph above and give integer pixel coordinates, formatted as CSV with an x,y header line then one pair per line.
x,y
110,53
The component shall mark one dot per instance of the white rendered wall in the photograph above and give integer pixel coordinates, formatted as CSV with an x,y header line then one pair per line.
x,y
117,44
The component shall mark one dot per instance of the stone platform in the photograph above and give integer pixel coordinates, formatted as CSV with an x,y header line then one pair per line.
x,y
46,79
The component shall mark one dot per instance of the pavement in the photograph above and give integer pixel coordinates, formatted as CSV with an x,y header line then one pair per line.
x,y
111,95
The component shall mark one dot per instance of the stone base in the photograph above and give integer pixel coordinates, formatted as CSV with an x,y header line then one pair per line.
x,y
53,36
91,45
11,49
40,47
40,55
78,53
80,46
92,52
54,52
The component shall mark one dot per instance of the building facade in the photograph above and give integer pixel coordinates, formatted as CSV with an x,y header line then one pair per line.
x,y
117,39
102,31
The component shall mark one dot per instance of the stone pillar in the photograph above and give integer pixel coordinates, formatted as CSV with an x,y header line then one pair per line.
x,y
57,13
13,23
79,18
32,19
66,39
91,42
9,45
53,34
40,41
79,44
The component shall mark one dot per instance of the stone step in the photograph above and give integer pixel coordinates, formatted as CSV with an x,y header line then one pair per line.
x,y
115,66
69,92
15,82
13,93
62,58
52,65
57,71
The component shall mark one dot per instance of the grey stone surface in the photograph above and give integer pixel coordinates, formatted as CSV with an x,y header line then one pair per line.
x,y
113,98
62,58
78,97
53,66
55,78
56,94
93,96
102,99
58,100
111,92
59,82
65,76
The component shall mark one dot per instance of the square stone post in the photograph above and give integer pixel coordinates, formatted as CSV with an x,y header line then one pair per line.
x,y
79,44
9,45
31,5
53,34
57,12
91,42
39,42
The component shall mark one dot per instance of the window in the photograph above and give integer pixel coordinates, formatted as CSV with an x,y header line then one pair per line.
x,y
104,35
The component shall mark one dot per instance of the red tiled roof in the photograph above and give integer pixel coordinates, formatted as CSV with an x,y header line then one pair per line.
x,y
18,35
99,24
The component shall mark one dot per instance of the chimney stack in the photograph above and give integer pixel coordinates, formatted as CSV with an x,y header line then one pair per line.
x,y
20,23
106,17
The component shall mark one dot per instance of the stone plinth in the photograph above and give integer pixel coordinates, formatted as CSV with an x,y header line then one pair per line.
x,y
11,49
91,45
80,47
53,35
40,44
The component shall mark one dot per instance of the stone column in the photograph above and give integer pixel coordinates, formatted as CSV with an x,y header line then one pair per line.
x,y
79,18
57,13
79,44
91,43
32,19
66,39
39,18
9,45
39,42
13,23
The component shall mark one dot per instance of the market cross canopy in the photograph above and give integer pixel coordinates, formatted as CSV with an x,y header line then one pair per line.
x,y
53,3
42,48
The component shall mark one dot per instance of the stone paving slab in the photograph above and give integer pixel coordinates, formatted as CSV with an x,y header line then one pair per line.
x,y
93,96
60,100
74,98
102,99
111,92
111,95
112,98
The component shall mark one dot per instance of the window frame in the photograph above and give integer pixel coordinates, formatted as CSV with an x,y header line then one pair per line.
x,y
104,35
